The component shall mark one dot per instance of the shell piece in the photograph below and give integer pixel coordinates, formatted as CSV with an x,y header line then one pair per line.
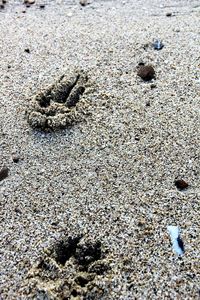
x,y
158,45
177,242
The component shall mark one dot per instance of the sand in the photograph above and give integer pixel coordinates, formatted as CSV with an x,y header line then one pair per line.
x,y
109,176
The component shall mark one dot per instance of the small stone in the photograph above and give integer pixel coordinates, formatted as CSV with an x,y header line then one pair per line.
x,y
181,184
147,73
42,6
27,50
168,14
3,173
83,2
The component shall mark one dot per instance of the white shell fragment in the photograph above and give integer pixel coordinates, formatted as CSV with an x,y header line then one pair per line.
x,y
158,45
177,242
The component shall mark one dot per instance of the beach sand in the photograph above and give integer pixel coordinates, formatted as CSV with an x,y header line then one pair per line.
x,y
109,176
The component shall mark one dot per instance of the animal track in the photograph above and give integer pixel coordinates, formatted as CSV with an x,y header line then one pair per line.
x,y
69,269
56,107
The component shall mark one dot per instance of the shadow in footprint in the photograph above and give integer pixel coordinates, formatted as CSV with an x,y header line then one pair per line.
x,y
87,253
66,249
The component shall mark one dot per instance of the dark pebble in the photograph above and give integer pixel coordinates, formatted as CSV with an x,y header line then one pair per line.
x,y
146,73
181,184
27,50
168,14
3,173
42,6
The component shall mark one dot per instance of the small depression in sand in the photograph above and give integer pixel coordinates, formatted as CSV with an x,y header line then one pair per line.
x,y
71,268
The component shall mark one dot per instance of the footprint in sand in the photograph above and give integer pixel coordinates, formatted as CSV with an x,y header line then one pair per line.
x,y
57,106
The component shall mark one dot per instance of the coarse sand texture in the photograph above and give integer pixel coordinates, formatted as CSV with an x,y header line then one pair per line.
x,y
99,150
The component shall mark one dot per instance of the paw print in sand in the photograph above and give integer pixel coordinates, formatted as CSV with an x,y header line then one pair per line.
x,y
72,267
57,106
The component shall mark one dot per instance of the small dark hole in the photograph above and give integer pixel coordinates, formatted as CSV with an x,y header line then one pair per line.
x,y
88,253
82,281
15,159
155,291
44,101
65,249
73,100
74,293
